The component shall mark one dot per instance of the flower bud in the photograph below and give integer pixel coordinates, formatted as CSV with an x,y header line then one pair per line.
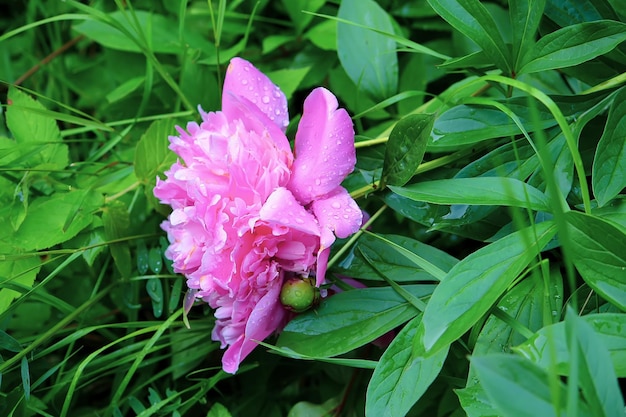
x,y
299,294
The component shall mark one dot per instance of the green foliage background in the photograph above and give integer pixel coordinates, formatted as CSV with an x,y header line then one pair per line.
x,y
491,144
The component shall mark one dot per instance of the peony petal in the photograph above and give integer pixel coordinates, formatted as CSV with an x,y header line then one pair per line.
x,y
338,212
282,208
324,147
267,317
244,80
250,96
253,119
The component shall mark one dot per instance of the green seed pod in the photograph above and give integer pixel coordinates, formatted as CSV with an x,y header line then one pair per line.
x,y
299,294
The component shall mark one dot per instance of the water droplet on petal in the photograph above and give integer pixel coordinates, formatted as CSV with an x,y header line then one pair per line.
x,y
299,220
318,181
244,82
265,99
336,205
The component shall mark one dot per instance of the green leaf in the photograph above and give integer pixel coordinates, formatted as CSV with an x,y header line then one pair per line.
x,y
609,163
155,260
598,253
566,12
125,89
348,320
475,402
153,157
405,148
288,79
154,288
392,260
369,58
36,135
53,220
518,388
25,377
307,409
473,20
464,125
525,16
525,304
482,191
218,410
119,33
296,10
116,221
474,284
595,370
400,378
548,347
9,343
19,271
573,45
323,35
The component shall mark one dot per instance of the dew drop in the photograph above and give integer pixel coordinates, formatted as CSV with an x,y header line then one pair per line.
x,y
265,99
244,82
299,220
318,181
336,205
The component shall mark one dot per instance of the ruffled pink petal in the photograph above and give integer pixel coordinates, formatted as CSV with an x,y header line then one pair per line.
x,y
282,208
324,147
267,317
338,212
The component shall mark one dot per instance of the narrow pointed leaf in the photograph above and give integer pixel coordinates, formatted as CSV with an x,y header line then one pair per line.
x,y
474,284
573,45
472,19
405,148
482,191
348,320
609,163
525,16
597,378
548,347
369,58
400,378
518,388
599,256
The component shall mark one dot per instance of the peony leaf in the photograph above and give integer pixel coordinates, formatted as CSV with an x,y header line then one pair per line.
x,y
482,191
400,378
473,285
348,320
573,45
405,148
609,163
369,58
598,254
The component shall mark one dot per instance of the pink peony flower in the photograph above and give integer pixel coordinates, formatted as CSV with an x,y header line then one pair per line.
x,y
247,214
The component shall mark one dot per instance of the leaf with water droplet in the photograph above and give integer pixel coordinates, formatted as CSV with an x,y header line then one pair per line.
x,y
142,258
405,148
155,260
154,289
